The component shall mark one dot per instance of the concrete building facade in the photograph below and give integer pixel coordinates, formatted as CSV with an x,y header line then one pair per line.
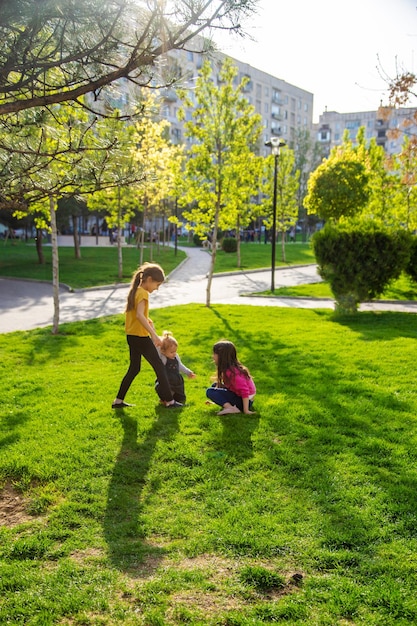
x,y
388,125
284,108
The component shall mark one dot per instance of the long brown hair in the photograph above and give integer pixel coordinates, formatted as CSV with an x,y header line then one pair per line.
x,y
227,360
147,270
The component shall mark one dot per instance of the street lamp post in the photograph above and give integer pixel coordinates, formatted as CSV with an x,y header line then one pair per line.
x,y
275,143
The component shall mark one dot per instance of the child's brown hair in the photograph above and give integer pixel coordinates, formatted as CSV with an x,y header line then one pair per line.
x,y
147,270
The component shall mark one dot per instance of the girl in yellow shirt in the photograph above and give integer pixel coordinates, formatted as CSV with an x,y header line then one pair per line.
x,y
141,336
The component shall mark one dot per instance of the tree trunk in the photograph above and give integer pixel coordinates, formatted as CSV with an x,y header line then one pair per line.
x,y
141,245
239,261
39,248
283,245
77,250
145,210
55,266
119,238
213,255
152,231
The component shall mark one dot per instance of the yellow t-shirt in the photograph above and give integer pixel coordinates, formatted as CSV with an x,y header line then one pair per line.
x,y
132,324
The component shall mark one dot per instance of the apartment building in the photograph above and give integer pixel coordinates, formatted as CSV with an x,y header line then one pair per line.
x,y
388,125
284,108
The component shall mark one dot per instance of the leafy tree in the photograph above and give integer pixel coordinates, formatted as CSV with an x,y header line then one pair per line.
x,y
404,165
339,187
307,157
56,51
287,188
222,172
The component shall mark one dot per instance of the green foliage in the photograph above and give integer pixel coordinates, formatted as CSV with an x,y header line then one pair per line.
x,y
222,174
197,240
360,260
411,268
338,187
229,244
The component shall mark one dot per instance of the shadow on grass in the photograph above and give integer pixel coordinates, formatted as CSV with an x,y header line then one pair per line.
x,y
338,449
45,346
122,526
374,326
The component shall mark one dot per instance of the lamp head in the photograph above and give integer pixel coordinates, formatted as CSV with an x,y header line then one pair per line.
x,y
275,143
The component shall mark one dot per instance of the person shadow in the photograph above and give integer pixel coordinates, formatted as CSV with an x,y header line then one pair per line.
x,y
128,550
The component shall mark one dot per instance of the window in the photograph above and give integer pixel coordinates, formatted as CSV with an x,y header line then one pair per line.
x,y
276,111
275,127
276,96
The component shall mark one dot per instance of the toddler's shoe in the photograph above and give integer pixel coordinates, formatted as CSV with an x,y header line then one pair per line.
x,y
174,405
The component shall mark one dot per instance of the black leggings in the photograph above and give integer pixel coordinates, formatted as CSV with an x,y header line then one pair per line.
x,y
139,346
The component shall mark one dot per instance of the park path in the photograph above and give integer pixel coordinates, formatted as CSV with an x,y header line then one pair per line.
x,y
25,305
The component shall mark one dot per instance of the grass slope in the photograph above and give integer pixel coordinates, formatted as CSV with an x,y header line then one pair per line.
x,y
158,517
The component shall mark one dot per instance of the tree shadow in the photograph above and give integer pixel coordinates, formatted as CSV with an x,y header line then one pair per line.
x,y
377,325
46,346
124,535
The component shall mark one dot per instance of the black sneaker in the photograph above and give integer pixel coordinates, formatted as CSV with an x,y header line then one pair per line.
x,y
120,405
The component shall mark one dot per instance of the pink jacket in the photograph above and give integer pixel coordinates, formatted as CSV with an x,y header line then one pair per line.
x,y
240,385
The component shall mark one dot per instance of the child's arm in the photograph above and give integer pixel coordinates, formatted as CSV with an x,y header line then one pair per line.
x,y
246,410
140,314
183,369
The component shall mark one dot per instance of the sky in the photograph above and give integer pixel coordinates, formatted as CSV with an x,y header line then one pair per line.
x,y
337,50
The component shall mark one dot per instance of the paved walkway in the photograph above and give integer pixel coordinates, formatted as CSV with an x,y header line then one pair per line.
x,y
25,305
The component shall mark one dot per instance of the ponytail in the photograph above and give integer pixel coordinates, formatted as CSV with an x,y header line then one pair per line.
x,y
147,270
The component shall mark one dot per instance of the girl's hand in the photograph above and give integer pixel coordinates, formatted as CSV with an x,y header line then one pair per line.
x,y
157,341
192,375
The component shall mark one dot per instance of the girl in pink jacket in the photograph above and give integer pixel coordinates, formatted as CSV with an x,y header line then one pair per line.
x,y
234,389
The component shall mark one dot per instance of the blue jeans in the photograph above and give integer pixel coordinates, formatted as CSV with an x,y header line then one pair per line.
x,y
220,396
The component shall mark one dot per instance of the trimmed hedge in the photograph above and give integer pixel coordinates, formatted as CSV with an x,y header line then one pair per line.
x,y
229,244
411,268
359,260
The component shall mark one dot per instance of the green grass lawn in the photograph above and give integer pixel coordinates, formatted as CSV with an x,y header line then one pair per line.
x,y
402,289
258,255
97,266
170,517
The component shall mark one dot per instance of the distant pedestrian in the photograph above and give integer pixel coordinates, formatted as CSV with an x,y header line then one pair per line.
x,y
234,388
141,335
174,367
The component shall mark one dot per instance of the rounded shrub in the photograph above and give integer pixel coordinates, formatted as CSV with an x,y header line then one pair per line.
x,y
197,241
359,260
411,268
229,244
